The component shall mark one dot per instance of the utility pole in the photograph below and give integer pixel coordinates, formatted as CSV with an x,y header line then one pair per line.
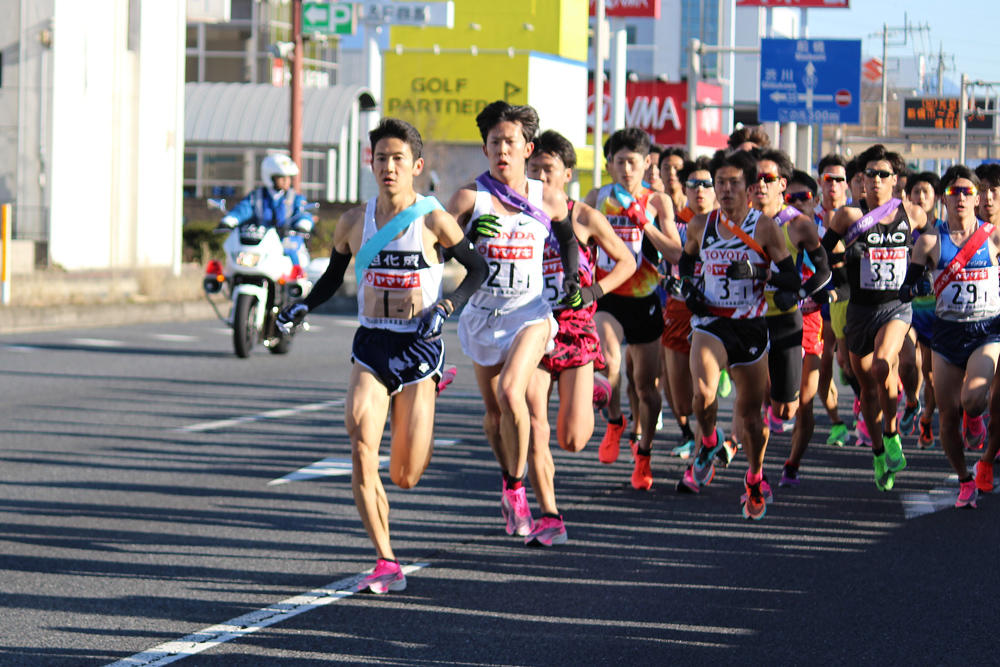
x,y
598,90
883,110
298,53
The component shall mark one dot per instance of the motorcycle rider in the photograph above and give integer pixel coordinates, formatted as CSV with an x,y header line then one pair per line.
x,y
278,205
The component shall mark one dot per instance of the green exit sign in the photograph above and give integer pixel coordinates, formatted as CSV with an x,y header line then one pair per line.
x,y
328,18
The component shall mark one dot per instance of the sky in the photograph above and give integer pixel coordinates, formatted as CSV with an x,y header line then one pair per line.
x,y
967,31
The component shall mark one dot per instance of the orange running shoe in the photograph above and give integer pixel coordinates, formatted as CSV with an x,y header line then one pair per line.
x,y
611,443
642,475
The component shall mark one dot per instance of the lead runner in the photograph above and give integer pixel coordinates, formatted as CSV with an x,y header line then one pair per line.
x,y
398,240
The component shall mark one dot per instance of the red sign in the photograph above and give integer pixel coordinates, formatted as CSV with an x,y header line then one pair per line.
x,y
820,4
659,108
872,69
843,98
644,8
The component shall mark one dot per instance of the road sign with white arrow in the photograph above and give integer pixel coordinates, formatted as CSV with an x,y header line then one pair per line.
x,y
810,81
328,18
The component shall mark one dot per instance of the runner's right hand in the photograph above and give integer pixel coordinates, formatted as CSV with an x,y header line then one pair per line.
x,y
694,298
487,225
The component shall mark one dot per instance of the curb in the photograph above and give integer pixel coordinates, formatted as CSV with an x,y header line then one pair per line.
x,y
25,319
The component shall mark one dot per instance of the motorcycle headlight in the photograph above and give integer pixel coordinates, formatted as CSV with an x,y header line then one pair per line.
x,y
247,259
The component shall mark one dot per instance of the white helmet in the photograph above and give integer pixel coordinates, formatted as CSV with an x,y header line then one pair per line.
x,y
277,165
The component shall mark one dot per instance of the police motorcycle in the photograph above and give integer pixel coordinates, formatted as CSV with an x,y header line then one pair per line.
x,y
260,279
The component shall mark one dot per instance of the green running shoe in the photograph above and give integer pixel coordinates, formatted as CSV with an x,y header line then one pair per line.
x,y
725,385
884,480
838,435
894,458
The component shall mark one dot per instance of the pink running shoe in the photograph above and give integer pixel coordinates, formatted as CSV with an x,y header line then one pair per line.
x,y
548,530
602,392
861,431
447,377
777,425
974,431
516,512
967,494
387,576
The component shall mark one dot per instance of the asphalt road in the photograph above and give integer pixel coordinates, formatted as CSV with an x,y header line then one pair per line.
x,y
138,507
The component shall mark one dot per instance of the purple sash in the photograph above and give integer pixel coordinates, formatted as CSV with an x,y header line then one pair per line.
x,y
870,219
786,214
508,197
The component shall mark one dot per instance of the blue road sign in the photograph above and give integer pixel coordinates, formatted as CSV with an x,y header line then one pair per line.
x,y
810,81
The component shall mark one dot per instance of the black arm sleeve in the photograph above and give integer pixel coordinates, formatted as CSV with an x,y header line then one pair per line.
x,y
686,264
914,274
822,274
569,251
830,241
329,282
475,272
787,277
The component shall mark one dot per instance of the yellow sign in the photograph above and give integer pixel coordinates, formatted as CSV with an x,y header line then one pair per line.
x,y
441,94
558,27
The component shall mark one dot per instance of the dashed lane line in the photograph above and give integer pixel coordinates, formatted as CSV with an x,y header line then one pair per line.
x,y
336,466
260,416
241,626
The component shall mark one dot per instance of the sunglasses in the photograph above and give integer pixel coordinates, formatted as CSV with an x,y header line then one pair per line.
x,y
956,190
793,197
694,183
881,173
832,178
768,178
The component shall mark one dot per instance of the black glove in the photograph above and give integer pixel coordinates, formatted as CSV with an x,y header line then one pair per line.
x,y
590,294
291,316
695,299
487,225
821,297
573,296
785,299
432,322
673,286
744,270
907,292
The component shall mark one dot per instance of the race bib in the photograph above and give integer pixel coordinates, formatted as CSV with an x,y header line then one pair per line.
x,y
883,269
973,294
392,298
509,268
728,292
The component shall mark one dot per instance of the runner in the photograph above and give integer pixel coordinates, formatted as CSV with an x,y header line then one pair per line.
x,y
652,179
631,313
923,189
963,253
784,322
833,189
672,160
856,182
577,347
508,325
397,240
802,193
700,197
878,238
728,323
747,138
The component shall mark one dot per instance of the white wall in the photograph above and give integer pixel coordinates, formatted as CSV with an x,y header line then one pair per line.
x,y
117,135
557,89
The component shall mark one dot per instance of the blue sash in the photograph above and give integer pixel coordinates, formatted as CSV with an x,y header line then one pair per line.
x,y
391,230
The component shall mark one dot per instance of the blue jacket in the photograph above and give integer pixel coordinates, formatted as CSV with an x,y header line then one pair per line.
x,y
265,209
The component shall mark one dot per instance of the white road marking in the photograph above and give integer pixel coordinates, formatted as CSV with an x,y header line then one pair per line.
x,y
270,414
331,467
175,338
21,348
445,443
96,342
939,498
240,626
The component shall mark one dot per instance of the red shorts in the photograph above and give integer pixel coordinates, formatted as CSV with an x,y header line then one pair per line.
x,y
576,343
812,333
676,326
